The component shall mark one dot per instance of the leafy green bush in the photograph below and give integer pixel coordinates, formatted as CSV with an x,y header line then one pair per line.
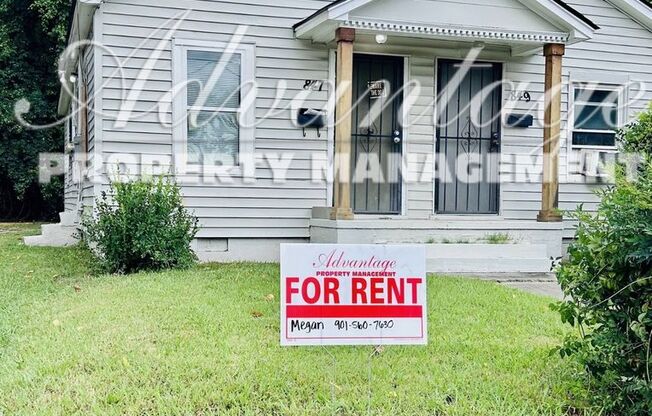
x,y
608,283
637,137
142,226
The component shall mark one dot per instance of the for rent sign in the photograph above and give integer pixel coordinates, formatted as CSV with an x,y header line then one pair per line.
x,y
353,294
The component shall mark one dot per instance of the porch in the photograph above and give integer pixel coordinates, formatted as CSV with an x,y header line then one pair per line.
x,y
469,49
454,244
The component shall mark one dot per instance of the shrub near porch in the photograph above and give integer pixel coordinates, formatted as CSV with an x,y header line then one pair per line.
x,y
206,341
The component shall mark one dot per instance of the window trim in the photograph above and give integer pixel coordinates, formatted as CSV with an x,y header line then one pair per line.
x,y
594,86
246,111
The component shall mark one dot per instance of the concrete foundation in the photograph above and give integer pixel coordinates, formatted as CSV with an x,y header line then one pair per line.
x,y
241,249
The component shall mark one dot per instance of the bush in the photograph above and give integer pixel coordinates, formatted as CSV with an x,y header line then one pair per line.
x,y
143,226
608,281
637,137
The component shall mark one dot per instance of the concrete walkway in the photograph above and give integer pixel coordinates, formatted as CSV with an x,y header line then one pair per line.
x,y
544,284
550,289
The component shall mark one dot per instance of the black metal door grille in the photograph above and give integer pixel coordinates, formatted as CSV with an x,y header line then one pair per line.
x,y
468,136
377,133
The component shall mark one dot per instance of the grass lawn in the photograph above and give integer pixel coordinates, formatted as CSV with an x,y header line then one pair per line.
x,y
206,341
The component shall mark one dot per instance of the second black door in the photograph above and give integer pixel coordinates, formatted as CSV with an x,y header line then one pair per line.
x,y
468,137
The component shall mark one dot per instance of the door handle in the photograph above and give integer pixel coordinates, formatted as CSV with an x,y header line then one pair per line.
x,y
397,136
495,140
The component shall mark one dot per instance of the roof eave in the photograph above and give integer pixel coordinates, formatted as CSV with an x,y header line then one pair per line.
x,y
559,13
579,27
636,9
305,28
335,11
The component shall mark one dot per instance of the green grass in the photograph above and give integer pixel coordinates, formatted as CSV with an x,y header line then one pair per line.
x,y
187,342
498,238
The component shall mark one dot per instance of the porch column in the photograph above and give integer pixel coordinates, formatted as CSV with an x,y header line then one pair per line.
x,y
344,78
551,132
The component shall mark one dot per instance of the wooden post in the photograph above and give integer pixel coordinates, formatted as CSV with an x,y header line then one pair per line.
x,y
344,78
551,132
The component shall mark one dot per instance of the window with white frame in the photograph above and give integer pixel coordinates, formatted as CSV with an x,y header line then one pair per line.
x,y
596,115
213,116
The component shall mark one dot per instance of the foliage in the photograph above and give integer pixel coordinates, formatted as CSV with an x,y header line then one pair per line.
x,y
498,238
637,137
143,226
32,33
608,283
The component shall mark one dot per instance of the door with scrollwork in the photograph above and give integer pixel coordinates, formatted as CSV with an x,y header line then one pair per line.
x,y
468,137
377,134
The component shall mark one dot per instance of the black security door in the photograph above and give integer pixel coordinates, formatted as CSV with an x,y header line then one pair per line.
x,y
468,138
377,134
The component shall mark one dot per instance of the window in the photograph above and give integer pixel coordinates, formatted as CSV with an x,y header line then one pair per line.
x,y
596,115
213,116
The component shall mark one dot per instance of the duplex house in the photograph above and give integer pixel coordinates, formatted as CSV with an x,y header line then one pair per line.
x,y
453,123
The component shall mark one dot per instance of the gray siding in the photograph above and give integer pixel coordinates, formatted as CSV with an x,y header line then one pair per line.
x,y
264,209
271,210
88,66
70,189
620,47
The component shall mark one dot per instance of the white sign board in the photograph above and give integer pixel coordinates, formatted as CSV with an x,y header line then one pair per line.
x,y
353,294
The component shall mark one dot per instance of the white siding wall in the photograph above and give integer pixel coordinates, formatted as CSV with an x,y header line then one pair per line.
x,y
621,47
420,134
272,210
88,67
263,209
71,187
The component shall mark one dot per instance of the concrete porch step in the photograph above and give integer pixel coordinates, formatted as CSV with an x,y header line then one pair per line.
x,y
494,251
529,244
487,258
487,265
56,235
68,218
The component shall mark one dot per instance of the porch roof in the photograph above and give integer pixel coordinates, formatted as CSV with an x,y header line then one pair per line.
x,y
523,25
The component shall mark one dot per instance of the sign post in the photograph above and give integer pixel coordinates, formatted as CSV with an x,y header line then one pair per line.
x,y
353,295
